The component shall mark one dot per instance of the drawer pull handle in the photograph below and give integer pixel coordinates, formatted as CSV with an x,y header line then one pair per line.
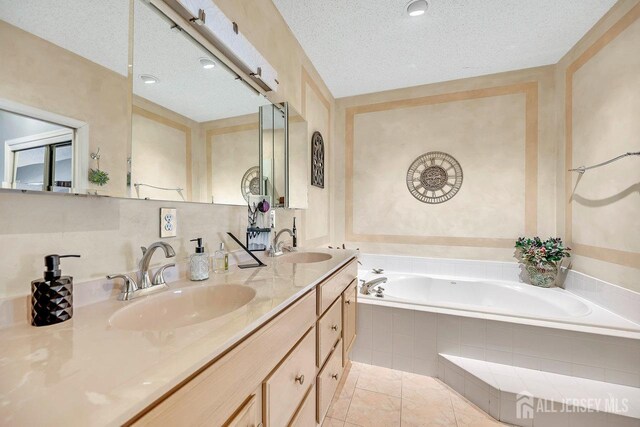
x,y
334,376
348,302
300,379
334,327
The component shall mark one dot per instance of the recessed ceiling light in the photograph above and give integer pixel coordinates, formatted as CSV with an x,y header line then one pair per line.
x,y
207,63
417,7
148,79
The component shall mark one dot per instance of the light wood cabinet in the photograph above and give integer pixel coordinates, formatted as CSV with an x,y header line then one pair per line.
x,y
212,396
247,416
286,387
349,316
328,380
329,330
284,373
332,288
306,415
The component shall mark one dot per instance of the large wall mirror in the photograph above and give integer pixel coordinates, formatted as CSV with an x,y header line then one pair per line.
x,y
194,123
121,107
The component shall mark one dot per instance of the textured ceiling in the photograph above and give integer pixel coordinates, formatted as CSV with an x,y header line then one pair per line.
x,y
95,29
363,46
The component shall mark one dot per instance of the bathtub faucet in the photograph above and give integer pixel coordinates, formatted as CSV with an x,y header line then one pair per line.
x,y
367,287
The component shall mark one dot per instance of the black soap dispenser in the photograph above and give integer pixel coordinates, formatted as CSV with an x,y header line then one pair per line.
x,y
52,296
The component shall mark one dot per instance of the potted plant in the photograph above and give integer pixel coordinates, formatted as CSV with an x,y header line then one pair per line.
x,y
97,176
541,258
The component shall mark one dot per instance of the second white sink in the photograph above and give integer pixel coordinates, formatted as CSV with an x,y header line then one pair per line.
x,y
306,257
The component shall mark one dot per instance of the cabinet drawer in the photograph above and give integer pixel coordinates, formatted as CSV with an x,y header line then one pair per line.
x,y
247,416
306,416
349,319
288,384
329,330
328,380
330,289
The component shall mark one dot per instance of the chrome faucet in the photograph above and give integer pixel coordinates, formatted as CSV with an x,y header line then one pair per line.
x,y
147,253
131,289
277,247
367,287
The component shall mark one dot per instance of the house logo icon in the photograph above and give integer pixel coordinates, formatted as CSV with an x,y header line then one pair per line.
x,y
524,405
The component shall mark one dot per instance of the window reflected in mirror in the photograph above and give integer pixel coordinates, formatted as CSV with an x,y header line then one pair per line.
x,y
36,154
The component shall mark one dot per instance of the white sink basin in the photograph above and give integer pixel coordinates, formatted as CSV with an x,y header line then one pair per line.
x,y
305,257
182,307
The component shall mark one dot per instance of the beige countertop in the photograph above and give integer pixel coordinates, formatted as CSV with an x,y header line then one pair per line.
x,y
86,372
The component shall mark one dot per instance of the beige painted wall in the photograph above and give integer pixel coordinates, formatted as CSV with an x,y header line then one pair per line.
x,y
232,154
499,127
317,111
159,154
598,105
41,75
108,232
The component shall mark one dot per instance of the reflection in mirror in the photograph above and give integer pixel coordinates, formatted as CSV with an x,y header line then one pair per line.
x,y
284,156
273,152
35,155
194,123
63,93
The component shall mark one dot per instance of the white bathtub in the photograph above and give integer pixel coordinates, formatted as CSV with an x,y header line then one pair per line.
x,y
501,300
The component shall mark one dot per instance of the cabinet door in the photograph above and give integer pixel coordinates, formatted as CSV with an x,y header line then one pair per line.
x,y
329,331
328,380
306,415
288,384
349,313
247,416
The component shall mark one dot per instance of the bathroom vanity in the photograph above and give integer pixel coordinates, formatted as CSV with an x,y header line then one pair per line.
x,y
273,354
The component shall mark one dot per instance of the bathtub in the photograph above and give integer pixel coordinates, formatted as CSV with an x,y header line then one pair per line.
x,y
498,300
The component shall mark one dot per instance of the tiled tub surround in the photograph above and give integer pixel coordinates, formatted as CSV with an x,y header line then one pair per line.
x,y
105,376
410,339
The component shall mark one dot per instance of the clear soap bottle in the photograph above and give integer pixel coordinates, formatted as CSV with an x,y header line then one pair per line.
x,y
199,262
221,258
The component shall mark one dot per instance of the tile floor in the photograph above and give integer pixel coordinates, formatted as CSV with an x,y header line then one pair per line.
x,y
375,396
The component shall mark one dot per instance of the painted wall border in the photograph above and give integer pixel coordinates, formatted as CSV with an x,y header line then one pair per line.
x,y
529,89
625,258
175,125
307,81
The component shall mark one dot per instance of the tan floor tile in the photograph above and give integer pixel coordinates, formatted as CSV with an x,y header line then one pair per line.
x,y
469,415
332,422
348,383
381,380
370,409
339,406
416,414
423,381
423,389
